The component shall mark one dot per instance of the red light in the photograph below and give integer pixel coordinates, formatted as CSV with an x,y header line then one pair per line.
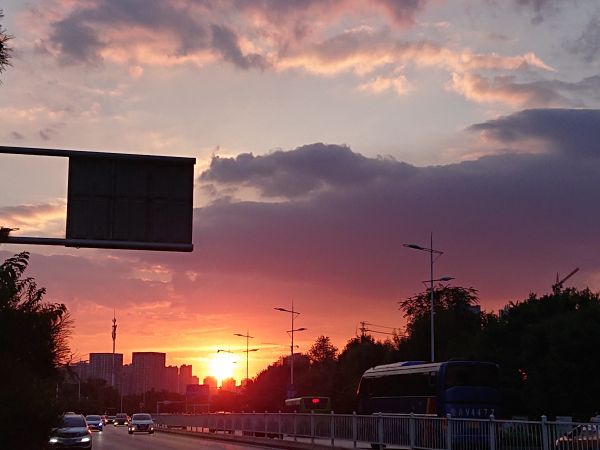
x,y
315,401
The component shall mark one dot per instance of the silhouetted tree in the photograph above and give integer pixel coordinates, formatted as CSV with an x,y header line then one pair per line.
x,y
359,354
33,343
268,390
458,321
548,348
322,351
5,50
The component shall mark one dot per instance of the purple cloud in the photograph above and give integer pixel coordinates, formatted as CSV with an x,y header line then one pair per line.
x,y
508,222
571,133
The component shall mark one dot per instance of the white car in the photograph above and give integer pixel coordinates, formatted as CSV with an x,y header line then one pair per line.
x,y
141,422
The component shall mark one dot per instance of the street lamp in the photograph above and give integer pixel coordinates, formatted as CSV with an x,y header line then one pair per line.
x,y
248,337
431,280
291,333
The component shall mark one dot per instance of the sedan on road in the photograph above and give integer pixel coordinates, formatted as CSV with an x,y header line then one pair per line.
x,y
94,422
121,419
72,432
141,422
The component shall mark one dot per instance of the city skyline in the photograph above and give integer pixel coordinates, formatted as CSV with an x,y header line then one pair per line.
x,y
327,135
151,369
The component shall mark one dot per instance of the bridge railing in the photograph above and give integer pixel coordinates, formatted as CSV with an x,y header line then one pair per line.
x,y
407,431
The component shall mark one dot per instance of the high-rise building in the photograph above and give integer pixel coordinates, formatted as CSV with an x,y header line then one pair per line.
x,y
171,379
148,371
228,384
185,378
211,382
127,380
101,367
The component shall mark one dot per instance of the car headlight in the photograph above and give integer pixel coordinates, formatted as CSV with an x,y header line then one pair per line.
x,y
85,439
53,440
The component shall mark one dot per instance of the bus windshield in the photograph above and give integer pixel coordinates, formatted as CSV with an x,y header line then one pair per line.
x,y
472,375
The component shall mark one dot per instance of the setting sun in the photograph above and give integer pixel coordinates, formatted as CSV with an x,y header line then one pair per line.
x,y
221,366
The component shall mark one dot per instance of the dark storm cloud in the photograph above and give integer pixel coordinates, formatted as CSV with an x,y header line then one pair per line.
x,y
305,170
570,132
507,222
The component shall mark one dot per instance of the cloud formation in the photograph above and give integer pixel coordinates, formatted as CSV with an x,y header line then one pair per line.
x,y
508,90
326,225
572,133
346,216
49,218
366,39
229,29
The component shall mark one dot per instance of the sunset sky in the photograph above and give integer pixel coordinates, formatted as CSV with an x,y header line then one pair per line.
x,y
327,133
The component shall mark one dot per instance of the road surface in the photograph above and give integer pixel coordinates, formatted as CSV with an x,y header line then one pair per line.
x,y
118,439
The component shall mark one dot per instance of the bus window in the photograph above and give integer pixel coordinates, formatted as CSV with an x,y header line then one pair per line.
x,y
471,375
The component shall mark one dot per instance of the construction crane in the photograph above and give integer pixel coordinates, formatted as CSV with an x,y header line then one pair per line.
x,y
557,287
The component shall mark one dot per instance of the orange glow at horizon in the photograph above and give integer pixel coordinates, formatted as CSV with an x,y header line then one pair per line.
x,y
222,366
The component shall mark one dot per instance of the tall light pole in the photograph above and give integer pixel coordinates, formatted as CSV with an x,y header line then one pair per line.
x,y
248,337
114,338
291,333
432,259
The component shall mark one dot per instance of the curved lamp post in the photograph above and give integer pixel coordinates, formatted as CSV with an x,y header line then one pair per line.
x,y
291,333
433,256
247,351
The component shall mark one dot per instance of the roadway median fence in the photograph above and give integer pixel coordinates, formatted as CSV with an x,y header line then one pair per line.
x,y
409,431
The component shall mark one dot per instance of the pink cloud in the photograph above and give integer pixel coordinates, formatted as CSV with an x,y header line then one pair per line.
x,y
46,219
507,91
381,84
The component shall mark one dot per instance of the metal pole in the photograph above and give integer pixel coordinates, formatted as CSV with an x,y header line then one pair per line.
x,y
114,338
292,351
432,305
247,352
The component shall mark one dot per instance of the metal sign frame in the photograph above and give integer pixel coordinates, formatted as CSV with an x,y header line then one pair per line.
x,y
131,195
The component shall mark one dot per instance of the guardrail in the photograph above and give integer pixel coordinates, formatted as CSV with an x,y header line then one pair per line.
x,y
407,431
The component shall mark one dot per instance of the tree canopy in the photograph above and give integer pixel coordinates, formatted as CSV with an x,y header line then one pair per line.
x,y
33,343
5,50
322,351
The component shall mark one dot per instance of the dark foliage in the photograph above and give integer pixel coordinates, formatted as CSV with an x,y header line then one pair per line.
x,y
548,349
33,343
458,321
5,50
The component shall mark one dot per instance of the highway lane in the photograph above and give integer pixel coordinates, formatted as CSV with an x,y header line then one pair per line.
x,y
118,439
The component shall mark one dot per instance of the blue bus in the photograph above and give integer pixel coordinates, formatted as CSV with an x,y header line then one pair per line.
x,y
463,389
